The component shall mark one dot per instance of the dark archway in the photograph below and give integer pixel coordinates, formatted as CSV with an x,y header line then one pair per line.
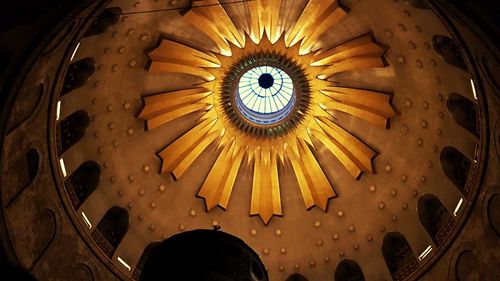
x,y
21,175
296,277
78,73
464,112
204,255
111,230
456,167
71,130
103,22
144,257
398,256
348,270
446,48
435,218
82,182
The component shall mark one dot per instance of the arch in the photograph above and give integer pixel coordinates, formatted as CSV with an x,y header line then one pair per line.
x,y
111,230
82,272
456,167
398,256
45,227
82,182
25,105
103,22
21,175
204,255
145,255
71,130
464,112
467,266
349,270
296,277
436,219
447,50
78,73
493,212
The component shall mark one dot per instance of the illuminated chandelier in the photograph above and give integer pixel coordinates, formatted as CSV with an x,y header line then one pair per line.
x,y
267,98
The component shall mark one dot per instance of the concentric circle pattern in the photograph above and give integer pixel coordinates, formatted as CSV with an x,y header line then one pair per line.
x,y
265,95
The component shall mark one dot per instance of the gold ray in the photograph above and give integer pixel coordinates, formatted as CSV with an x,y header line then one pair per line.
x,y
255,25
317,17
218,186
266,198
173,154
209,17
308,45
375,102
157,104
169,51
165,117
157,66
314,185
361,46
351,152
351,64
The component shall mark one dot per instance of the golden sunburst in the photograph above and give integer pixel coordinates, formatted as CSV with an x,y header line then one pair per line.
x,y
266,33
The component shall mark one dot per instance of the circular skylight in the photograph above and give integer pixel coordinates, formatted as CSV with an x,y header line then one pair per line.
x,y
265,94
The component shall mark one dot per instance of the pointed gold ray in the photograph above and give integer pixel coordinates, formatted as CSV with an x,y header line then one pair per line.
x,y
335,55
351,152
372,106
174,52
266,198
351,64
375,102
270,18
209,17
218,186
255,22
171,115
318,15
157,104
166,67
173,154
314,185
332,16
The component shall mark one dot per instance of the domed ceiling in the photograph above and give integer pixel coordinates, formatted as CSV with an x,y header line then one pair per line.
x,y
315,131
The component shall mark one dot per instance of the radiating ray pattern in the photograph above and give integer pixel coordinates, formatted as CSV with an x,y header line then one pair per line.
x,y
267,33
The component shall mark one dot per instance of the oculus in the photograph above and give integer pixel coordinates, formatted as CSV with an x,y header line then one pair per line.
x,y
241,46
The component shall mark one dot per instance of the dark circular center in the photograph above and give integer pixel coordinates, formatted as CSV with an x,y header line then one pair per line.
x,y
266,81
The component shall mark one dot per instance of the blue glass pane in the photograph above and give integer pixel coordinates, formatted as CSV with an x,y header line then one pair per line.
x,y
265,89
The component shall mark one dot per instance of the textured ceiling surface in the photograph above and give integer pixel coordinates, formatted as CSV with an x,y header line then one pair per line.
x,y
309,241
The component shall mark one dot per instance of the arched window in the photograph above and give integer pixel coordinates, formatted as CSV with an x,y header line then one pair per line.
x,y
108,17
78,73
456,167
21,174
296,277
144,257
464,112
435,218
83,182
448,51
398,255
348,270
111,230
72,129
